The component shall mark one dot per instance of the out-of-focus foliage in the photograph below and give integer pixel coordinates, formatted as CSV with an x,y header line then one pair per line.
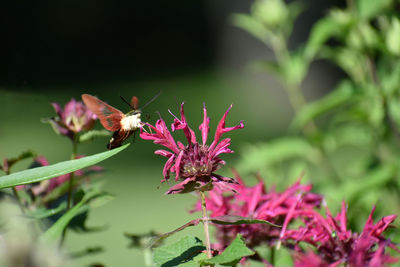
x,y
348,141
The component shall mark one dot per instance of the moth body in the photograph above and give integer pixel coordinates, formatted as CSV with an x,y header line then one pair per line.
x,y
131,122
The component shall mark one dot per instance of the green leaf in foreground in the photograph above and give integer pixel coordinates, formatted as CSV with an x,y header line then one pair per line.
x,y
57,228
61,168
232,254
181,253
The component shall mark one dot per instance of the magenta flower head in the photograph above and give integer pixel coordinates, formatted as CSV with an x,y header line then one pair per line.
x,y
280,208
336,245
75,117
194,164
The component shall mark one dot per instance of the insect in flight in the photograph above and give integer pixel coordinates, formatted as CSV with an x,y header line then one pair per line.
x,y
123,125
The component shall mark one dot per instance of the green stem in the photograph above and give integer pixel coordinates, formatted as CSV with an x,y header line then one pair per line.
x,y
20,205
297,99
293,90
70,186
16,194
205,223
71,179
272,256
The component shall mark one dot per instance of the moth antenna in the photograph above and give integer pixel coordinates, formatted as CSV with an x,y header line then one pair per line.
x,y
151,100
177,104
123,99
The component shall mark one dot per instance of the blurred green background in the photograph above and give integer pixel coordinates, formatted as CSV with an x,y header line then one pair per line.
x,y
189,51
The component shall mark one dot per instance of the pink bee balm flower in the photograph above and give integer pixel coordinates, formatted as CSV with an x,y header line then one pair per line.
x,y
337,245
75,117
194,164
280,208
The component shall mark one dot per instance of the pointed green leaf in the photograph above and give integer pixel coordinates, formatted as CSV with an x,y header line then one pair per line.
x,y
253,26
181,253
342,94
158,239
58,227
369,8
42,213
90,135
259,156
234,220
61,168
320,33
232,254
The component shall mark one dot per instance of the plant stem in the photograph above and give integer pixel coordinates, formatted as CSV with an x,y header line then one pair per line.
x,y
272,256
71,179
70,186
20,205
205,223
15,191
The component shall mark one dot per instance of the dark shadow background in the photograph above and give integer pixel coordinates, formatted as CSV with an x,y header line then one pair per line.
x,y
70,41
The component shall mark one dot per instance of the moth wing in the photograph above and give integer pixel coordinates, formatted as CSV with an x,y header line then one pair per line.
x,y
109,116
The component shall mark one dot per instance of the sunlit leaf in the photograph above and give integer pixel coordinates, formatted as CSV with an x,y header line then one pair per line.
x,y
342,94
181,253
47,172
251,25
370,8
55,231
256,157
232,254
320,33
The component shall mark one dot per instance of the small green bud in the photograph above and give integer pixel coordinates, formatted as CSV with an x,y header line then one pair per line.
x,y
270,12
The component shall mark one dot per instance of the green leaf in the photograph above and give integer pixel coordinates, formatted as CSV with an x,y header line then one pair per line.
x,y
22,156
181,253
390,78
342,94
61,168
320,33
58,227
232,254
235,220
90,135
253,26
369,8
393,37
257,157
394,110
41,213
158,239
350,60
372,181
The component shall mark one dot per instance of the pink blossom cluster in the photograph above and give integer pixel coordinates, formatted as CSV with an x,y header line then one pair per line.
x,y
334,244
74,118
255,202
